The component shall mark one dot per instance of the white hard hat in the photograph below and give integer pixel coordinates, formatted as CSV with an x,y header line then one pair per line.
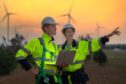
x,y
48,20
68,26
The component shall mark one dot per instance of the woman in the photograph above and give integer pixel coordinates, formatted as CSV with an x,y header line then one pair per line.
x,y
75,73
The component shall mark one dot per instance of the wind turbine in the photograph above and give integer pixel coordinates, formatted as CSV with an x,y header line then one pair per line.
x,y
70,18
7,15
88,36
98,29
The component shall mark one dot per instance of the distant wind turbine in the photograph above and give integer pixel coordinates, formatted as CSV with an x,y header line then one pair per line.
x,y
98,29
7,15
70,18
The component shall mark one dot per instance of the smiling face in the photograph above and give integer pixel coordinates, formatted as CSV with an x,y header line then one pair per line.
x,y
69,33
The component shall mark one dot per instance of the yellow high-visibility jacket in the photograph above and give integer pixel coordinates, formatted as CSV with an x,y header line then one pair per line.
x,y
83,49
35,49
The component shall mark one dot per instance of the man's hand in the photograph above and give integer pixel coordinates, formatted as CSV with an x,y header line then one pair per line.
x,y
35,71
115,32
62,66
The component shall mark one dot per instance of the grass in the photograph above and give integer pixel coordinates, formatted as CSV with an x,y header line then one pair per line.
x,y
113,73
116,55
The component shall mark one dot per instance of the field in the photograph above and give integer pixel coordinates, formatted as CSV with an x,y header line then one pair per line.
x,y
114,72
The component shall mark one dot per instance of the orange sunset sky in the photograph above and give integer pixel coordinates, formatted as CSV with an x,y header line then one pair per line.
x,y
107,13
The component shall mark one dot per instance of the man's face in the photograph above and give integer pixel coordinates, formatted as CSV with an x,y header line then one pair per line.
x,y
51,29
69,33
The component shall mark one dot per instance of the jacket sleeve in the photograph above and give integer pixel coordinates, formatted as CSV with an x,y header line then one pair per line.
x,y
22,54
104,40
96,44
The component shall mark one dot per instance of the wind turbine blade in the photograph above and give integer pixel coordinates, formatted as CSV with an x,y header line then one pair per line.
x,y
99,26
63,15
3,18
72,18
5,7
71,6
12,14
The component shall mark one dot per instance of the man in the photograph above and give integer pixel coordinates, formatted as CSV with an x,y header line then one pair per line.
x,y
44,53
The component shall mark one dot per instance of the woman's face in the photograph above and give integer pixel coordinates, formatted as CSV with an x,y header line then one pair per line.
x,y
69,33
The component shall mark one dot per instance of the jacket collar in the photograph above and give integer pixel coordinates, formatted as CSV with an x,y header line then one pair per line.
x,y
74,44
47,37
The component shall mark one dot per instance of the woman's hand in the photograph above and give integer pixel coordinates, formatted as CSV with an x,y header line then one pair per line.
x,y
115,32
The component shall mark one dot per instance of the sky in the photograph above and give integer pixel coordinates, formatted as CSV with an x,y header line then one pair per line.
x,y
29,13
